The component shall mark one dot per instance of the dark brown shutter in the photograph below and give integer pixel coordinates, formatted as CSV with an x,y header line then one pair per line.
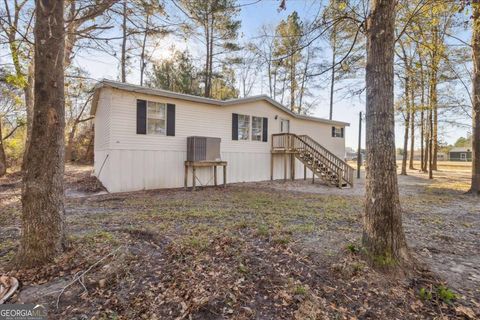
x,y
170,119
234,126
141,117
265,129
342,131
333,132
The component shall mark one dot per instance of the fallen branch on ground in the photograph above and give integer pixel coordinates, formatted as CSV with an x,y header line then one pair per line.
x,y
79,276
8,286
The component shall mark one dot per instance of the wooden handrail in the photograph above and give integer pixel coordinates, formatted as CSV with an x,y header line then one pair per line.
x,y
295,143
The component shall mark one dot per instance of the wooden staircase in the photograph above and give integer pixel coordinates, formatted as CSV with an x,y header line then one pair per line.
x,y
323,163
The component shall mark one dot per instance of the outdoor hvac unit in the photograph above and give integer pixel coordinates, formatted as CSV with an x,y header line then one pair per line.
x,y
203,149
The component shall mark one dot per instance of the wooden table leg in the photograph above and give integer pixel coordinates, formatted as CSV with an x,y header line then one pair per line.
x,y
194,177
224,176
185,182
215,175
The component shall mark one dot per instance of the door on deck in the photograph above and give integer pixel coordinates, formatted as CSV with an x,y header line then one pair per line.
x,y
284,126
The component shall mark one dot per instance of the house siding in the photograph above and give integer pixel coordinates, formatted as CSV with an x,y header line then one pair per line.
x,y
456,156
102,125
137,161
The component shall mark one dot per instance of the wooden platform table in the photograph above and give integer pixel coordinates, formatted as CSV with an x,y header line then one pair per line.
x,y
202,164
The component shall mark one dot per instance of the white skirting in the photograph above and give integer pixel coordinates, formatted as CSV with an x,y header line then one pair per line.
x,y
132,170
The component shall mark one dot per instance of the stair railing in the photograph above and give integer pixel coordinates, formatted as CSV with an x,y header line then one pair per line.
x,y
290,142
347,170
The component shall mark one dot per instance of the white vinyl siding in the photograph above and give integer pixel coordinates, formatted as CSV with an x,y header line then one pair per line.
x,y
139,162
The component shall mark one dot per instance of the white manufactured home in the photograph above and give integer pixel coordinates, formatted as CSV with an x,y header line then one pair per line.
x,y
141,139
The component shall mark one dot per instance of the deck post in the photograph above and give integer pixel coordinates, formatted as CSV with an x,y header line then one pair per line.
x,y
215,175
285,167
271,166
339,174
304,172
292,165
313,171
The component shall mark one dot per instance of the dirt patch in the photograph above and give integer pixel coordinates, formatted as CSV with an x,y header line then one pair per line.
x,y
268,250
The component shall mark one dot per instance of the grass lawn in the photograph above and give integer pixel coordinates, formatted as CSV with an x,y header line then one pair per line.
x,y
268,250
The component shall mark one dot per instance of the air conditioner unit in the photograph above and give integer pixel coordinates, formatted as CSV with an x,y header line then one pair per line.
x,y
203,149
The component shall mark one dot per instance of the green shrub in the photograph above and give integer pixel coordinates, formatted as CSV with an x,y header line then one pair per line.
x,y
445,294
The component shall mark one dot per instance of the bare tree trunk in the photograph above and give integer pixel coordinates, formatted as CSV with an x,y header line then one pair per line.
x,y
434,101
407,126
412,127
142,54
89,153
123,59
42,193
422,118
427,142
275,84
3,157
269,70
283,88
383,235
332,83
29,101
405,144
71,135
433,123
292,83
70,141
475,185
304,80
435,133
422,137
430,144
207,58
210,64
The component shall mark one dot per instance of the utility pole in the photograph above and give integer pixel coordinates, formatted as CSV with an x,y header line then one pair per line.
x,y
359,150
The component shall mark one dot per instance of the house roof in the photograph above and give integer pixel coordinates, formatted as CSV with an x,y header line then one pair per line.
x,y
169,94
461,149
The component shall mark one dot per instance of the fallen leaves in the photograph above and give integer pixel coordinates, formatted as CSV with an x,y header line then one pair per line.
x,y
465,311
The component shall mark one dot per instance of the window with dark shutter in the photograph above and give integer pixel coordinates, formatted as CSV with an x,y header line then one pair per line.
x,y
141,117
234,126
337,132
265,130
170,119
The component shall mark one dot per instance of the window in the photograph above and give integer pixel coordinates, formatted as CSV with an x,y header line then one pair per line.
x,y
156,118
284,126
257,128
337,132
243,127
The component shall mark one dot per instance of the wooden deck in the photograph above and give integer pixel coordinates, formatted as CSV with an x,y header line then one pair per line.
x,y
314,156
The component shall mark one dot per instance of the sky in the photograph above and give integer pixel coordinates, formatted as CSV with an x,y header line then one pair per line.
x,y
253,16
